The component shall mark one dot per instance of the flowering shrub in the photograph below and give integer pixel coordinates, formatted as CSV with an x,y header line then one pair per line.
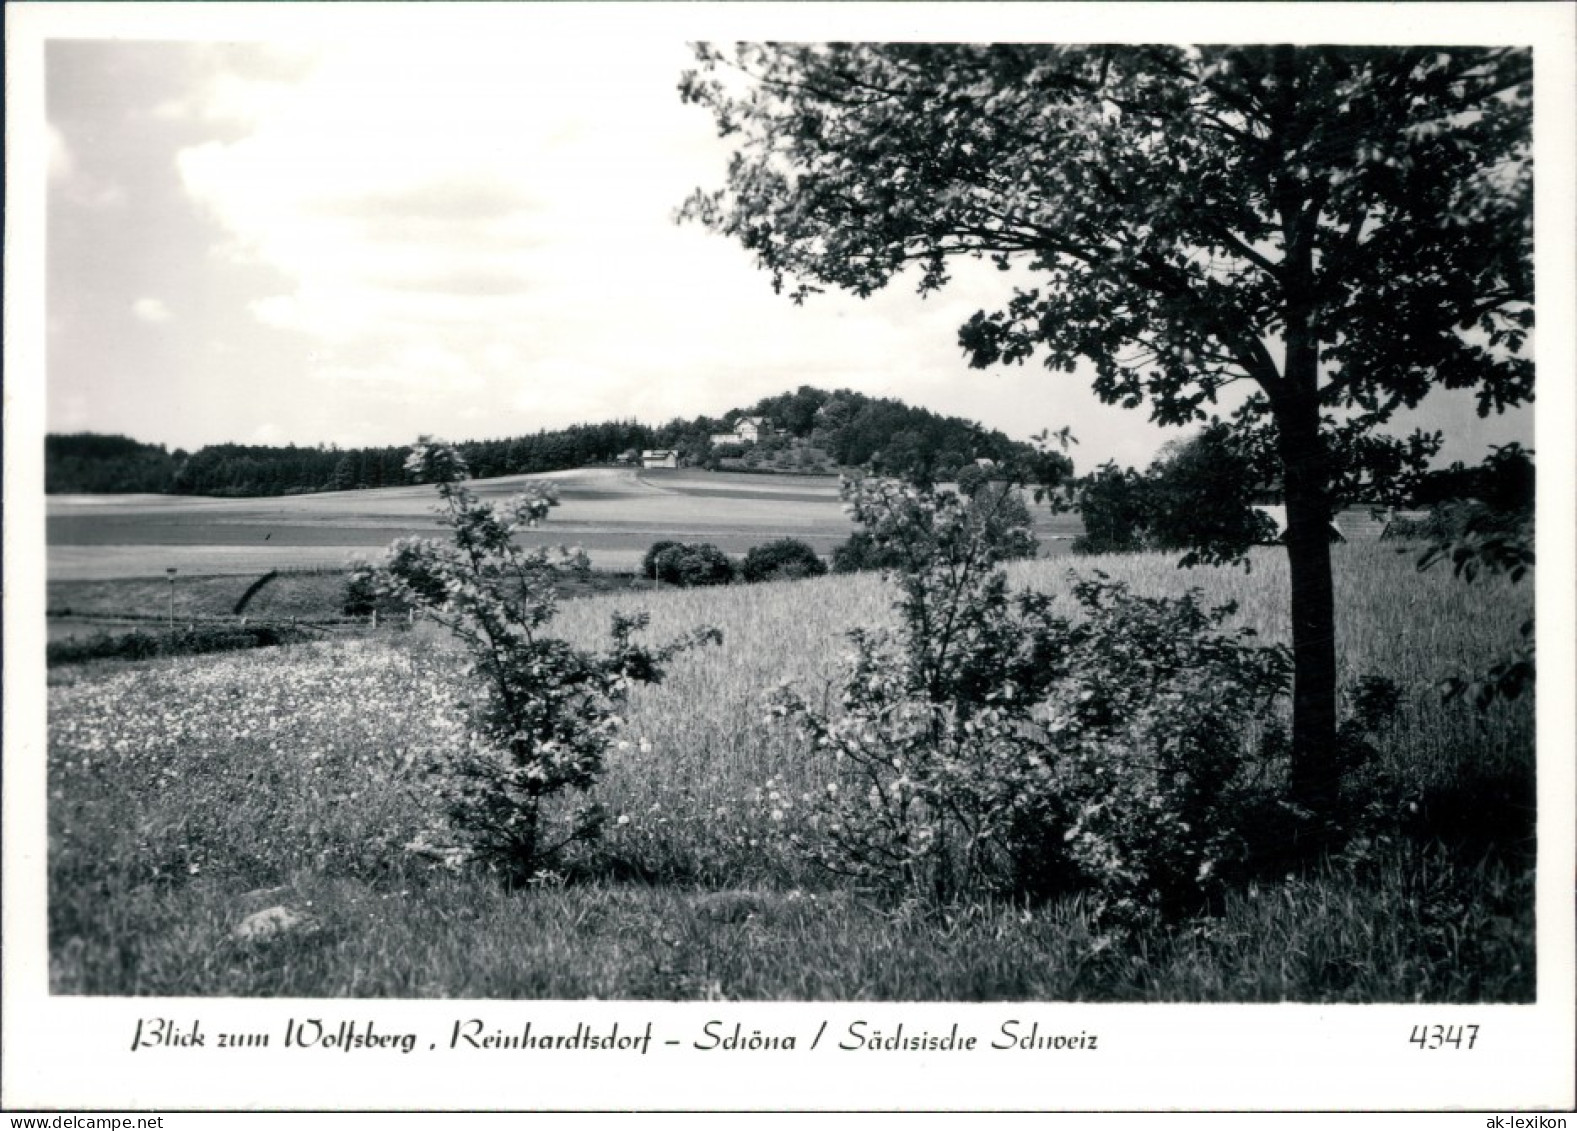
x,y
931,774
1148,734
992,745
547,712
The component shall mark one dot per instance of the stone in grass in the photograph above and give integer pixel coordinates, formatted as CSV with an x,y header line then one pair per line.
x,y
272,923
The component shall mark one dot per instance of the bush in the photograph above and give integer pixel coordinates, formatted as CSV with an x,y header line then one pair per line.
x,y
1477,538
543,712
994,510
860,553
993,746
361,596
190,641
999,508
784,559
925,779
693,565
103,646
1151,743
649,560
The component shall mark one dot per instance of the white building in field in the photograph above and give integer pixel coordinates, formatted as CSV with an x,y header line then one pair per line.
x,y
747,430
659,457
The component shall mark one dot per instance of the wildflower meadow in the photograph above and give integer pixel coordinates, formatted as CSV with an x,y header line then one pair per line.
x,y
188,792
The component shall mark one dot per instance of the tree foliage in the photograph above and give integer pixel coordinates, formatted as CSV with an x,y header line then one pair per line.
x,y
854,429
1337,229
1503,482
1491,533
783,559
693,564
1114,505
546,712
1196,497
990,744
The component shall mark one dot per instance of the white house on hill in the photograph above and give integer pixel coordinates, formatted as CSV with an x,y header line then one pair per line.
x,y
659,457
747,430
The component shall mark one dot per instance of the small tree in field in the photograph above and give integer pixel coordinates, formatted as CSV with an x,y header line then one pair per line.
x,y
1201,496
1337,229
1197,497
1114,504
544,712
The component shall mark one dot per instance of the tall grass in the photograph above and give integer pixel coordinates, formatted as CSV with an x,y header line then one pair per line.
x,y
186,792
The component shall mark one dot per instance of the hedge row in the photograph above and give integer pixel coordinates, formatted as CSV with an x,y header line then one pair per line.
x,y
189,641
701,563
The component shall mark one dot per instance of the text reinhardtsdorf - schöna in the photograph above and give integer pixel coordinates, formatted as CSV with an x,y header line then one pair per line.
x,y
642,1038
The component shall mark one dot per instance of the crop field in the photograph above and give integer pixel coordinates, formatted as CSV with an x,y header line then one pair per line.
x,y
612,513
187,793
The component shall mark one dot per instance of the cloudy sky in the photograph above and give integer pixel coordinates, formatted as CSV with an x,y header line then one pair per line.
x,y
355,242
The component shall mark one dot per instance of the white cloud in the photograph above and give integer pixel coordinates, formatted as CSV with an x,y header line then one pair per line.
x,y
504,212
151,310
480,235
66,172
172,110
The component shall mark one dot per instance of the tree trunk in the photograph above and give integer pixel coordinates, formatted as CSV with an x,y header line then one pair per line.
x,y
1315,768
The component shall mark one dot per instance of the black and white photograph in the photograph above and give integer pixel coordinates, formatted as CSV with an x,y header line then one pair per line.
x,y
789,557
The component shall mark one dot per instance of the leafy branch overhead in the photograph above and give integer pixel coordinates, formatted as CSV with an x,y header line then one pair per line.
x,y
1169,200
1338,230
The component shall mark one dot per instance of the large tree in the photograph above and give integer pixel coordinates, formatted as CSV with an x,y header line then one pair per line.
x,y
1340,229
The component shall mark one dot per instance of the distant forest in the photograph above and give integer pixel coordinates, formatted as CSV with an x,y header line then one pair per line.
x,y
854,430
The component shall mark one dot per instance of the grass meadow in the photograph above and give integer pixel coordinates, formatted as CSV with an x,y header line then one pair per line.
x,y
185,793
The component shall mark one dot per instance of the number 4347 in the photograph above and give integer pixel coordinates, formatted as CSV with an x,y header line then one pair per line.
x,y
1444,1036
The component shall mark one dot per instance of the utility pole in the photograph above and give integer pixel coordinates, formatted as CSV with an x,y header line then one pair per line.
x,y
171,572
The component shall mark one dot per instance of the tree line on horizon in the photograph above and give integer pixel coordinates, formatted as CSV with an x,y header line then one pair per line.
x,y
855,430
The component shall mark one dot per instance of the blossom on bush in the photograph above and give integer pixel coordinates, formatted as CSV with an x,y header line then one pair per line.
x,y
547,712
991,745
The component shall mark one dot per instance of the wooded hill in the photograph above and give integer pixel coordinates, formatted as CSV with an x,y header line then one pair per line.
x,y
856,431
